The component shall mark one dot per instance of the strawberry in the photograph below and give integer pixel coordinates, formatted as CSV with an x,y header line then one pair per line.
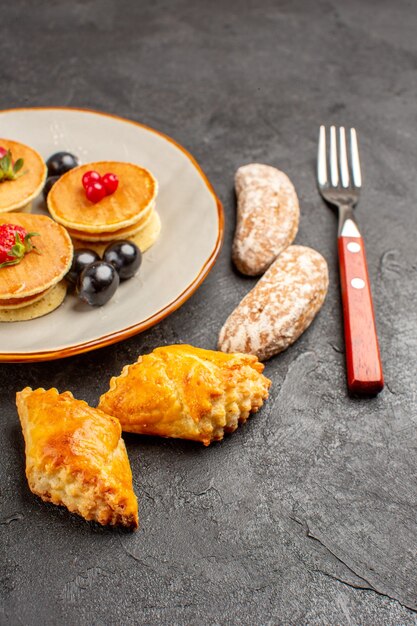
x,y
9,170
15,242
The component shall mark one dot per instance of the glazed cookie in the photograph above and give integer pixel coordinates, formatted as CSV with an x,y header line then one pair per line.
x,y
280,307
267,217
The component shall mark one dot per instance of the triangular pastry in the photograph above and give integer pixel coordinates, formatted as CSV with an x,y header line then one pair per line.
x,y
75,457
186,392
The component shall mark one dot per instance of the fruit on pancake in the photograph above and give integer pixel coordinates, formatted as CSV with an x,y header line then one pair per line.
x,y
50,181
96,192
110,182
9,169
90,178
81,259
61,162
98,283
97,187
125,256
15,242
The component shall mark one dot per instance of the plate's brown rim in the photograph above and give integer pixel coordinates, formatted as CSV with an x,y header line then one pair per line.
x,y
111,338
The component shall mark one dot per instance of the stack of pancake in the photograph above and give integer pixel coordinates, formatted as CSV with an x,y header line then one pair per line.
x,y
34,286
17,195
129,213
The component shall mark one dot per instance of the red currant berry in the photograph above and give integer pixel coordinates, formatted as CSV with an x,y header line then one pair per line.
x,y
111,182
3,152
90,178
96,192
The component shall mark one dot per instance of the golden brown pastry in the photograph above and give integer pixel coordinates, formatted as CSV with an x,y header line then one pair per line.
x,y
188,393
76,457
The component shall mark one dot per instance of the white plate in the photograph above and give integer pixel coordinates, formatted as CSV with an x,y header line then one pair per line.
x,y
190,239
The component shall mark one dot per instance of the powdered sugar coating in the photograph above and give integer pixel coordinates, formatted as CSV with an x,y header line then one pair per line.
x,y
267,217
280,307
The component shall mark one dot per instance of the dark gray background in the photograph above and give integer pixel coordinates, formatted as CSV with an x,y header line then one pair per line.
x,y
306,515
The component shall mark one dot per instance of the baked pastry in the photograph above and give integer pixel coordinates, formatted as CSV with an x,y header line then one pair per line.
x,y
127,213
186,392
280,307
267,217
37,278
75,457
17,195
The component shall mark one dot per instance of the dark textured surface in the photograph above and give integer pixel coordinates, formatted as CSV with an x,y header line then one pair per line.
x,y
307,515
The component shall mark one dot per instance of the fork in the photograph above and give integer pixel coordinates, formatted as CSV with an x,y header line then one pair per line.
x,y
339,185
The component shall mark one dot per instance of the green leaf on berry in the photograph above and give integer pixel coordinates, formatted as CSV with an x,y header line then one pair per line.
x,y
28,242
8,169
5,162
18,166
6,263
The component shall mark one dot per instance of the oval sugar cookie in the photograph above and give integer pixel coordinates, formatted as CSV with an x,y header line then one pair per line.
x,y
280,307
267,217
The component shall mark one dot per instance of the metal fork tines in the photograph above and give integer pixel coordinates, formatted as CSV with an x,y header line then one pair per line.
x,y
339,182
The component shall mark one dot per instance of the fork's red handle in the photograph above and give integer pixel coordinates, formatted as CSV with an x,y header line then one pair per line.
x,y
363,361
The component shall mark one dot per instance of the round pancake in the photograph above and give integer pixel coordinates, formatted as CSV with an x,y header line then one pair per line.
x,y
68,203
16,194
122,233
17,303
49,302
41,268
144,239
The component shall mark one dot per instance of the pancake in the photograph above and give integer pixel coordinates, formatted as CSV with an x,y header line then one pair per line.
x,y
18,303
144,239
41,268
49,302
122,233
68,203
17,194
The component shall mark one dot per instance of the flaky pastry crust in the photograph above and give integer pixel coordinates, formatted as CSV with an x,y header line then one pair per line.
x,y
75,457
186,392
